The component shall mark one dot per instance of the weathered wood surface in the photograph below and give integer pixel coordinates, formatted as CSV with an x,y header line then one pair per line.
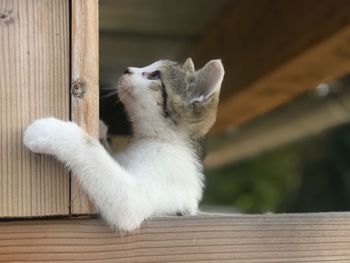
x,y
241,238
139,32
34,81
305,117
274,51
85,86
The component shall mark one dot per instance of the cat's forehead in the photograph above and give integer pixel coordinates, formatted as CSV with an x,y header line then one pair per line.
x,y
161,65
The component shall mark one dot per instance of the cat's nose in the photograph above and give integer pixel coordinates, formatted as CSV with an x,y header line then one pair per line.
x,y
127,71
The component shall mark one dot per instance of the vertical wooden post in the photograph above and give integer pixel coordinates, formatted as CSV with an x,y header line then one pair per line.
x,y
34,80
85,85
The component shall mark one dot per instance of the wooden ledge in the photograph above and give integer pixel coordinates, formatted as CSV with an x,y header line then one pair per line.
x,y
323,237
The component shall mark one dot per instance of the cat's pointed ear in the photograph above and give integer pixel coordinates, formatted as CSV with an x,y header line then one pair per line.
x,y
208,80
188,65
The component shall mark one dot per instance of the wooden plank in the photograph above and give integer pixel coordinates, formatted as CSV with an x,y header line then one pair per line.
x,y
304,117
274,51
238,238
159,18
322,63
136,51
85,86
34,81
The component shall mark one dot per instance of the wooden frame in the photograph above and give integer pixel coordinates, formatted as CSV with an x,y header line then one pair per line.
x,y
236,238
85,83
35,83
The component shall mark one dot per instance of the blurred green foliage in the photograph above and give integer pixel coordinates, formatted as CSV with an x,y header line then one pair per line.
x,y
306,176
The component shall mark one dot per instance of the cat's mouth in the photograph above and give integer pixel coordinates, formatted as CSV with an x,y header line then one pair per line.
x,y
124,87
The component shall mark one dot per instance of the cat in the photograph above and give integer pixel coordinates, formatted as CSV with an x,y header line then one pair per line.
x,y
171,107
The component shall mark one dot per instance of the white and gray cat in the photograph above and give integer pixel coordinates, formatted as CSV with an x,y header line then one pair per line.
x,y
171,107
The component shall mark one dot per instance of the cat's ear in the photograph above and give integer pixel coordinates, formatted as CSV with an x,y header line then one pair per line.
x,y
189,66
208,80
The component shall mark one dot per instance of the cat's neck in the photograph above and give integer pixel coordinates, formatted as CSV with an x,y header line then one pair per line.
x,y
162,138
161,133
158,132
180,142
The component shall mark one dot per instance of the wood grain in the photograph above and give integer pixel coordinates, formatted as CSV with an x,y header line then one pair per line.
x,y
34,81
158,18
238,238
85,86
305,117
321,63
274,51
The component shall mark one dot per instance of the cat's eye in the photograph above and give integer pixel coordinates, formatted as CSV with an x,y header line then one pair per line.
x,y
155,75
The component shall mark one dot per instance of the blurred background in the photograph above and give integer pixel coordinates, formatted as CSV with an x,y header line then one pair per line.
x,y
282,138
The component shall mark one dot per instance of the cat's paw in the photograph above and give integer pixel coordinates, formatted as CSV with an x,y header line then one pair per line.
x,y
42,136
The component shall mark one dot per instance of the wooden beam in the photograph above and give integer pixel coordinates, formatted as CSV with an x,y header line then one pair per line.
x,y
230,238
34,80
85,83
274,51
159,18
304,117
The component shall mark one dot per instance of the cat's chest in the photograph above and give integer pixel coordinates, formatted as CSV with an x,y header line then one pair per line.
x,y
158,159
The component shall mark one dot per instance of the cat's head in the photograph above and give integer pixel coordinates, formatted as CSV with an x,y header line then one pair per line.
x,y
171,98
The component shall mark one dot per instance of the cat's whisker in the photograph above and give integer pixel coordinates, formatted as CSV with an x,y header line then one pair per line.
x,y
114,91
108,95
121,97
123,89
109,88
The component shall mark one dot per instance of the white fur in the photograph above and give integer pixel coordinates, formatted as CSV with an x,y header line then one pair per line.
x,y
141,104
158,174
150,178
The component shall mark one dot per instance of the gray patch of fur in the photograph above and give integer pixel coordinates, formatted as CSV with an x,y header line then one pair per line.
x,y
195,118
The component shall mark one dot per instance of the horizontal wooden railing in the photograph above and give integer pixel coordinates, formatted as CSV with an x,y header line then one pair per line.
x,y
323,237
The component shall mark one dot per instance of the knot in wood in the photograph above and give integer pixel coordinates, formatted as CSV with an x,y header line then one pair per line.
x,y
78,89
5,16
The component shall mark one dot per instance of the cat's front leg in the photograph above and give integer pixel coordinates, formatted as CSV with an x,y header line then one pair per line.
x,y
52,136
115,193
